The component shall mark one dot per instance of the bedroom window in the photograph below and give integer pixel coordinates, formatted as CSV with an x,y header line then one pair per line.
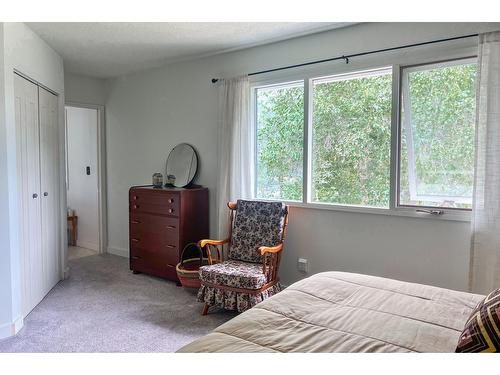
x,y
393,139
351,138
279,113
436,161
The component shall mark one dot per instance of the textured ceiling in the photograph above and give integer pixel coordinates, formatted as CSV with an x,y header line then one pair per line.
x,y
111,49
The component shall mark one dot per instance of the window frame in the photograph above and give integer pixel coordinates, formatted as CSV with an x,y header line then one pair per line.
x,y
417,68
397,62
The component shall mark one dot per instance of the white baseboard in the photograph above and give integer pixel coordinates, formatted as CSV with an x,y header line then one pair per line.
x,y
87,245
118,251
11,329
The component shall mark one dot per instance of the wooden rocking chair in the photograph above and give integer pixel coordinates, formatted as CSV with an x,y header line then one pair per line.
x,y
255,244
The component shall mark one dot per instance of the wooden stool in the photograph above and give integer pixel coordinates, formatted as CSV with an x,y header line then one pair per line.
x,y
74,228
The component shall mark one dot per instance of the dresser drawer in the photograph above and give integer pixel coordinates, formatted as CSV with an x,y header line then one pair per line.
x,y
145,201
165,255
153,266
154,242
141,223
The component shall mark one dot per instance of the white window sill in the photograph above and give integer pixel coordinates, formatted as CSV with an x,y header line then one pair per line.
x,y
454,215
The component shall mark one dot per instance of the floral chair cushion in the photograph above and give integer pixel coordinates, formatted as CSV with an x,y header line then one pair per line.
x,y
256,224
234,273
229,300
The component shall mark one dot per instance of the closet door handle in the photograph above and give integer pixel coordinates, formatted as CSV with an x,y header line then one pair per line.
x,y
135,240
136,222
171,246
170,226
45,194
35,195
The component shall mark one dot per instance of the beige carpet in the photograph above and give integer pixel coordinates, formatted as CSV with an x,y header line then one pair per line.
x,y
103,307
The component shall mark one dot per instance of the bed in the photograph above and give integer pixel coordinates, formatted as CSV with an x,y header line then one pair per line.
x,y
346,312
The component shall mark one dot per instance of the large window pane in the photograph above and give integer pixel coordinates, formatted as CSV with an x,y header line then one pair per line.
x,y
352,139
280,133
437,135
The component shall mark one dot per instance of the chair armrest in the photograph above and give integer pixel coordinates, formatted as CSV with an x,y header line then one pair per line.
x,y
203,243
219,252
271,249
271,269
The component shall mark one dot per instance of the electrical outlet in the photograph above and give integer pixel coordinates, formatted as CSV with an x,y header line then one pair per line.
x,y
302,265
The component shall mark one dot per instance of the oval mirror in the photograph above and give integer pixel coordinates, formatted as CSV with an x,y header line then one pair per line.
x,y
182,164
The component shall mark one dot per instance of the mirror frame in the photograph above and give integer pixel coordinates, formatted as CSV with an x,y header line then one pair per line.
x,y
190,182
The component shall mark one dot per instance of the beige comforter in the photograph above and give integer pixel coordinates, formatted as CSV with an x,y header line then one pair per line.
x,y
345,312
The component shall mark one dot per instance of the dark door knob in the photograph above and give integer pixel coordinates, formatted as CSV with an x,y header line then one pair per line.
x,y
45,194
35,195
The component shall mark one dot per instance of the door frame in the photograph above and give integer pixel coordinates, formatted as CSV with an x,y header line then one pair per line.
x,y
101,169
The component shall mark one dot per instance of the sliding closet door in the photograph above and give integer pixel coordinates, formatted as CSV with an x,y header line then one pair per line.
x,y
28,162
49,156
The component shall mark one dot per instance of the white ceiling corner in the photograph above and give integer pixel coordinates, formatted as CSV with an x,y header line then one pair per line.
x,y
110,49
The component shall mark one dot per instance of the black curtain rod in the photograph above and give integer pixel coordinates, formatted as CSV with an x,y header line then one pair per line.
x,y
347,57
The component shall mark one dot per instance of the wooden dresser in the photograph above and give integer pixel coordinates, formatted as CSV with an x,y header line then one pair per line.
x,y
161,222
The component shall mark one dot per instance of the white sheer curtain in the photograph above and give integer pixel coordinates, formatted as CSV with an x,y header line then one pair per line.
x,y
485,251
236,147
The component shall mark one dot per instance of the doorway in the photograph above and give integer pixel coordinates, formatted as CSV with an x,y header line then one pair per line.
x,y
85,180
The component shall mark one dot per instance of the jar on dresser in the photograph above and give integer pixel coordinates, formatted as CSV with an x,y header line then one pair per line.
x,y
161,222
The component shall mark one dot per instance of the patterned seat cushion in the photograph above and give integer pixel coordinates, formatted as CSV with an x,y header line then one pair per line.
x,y
256,224
482,330
235,274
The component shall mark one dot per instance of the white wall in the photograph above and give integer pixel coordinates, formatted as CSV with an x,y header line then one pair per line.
x,y
84,90
81,130
151,111
9,306
25,51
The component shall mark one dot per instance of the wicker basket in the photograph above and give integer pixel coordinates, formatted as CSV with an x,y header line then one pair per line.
x,y
188,268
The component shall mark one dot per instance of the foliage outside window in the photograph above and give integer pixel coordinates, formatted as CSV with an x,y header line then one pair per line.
x,y
351,142
280,141
349,138
437,135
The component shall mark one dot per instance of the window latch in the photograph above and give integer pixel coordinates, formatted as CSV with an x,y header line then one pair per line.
x,y
431,212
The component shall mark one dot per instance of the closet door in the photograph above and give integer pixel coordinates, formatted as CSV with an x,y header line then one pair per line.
x,y
28,163
49,172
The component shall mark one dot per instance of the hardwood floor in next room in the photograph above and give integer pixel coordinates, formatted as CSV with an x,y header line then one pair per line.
x,y
75,252
103,307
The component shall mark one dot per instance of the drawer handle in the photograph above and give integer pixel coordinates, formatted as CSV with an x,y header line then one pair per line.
x,y
171,246
136,222
170,210
135,206
170,265
135,257
171,200
171,226
135,240
135,197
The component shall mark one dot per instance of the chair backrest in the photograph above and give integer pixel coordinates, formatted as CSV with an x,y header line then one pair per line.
x,y
255,224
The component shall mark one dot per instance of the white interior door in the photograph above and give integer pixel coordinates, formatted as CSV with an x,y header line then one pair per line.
x,y
49,162
28,162
82,182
